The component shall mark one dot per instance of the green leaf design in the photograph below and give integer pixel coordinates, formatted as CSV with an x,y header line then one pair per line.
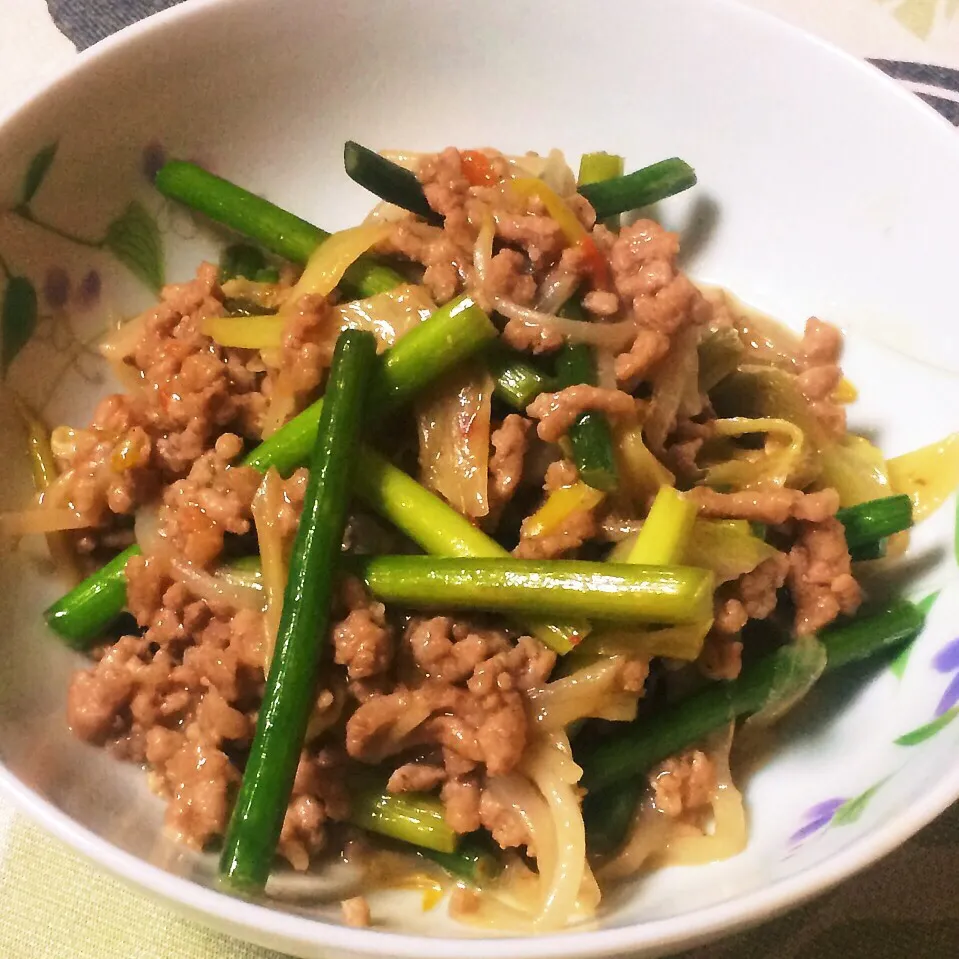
x,y
923,733
134,239
18,318
37,172
898,666
852,809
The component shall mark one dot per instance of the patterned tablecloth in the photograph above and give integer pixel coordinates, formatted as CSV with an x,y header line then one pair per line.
x,y
56,906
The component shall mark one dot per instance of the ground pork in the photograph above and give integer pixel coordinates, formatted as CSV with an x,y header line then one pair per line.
x,y
508,276
820,576
503,822
772,506
560,473
721,657
470,805
319,794
541,237
306,351
105,468
649,347
603,303
683,784
415,777
753,596
509,443
444,184
448,265
291,502
173,696
214,499
483,724
557,412
362,641
531,337
820,374
663,300
450,652
193,389
576,527
356,912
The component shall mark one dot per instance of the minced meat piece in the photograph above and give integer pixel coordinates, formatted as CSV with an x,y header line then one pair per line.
x,y
820,576
684,784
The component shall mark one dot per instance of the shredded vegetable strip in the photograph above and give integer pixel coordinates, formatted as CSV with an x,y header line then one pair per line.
x,y
560,504
43,467
928,475
273,554
662,540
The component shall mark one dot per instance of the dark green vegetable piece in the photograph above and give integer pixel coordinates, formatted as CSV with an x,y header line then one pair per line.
x,y
413,818
290,691
387,180
597,167
640,188
590,436
518,382
89,608
241,259
619,763
272,227
608,197
875,549
874,520
475,860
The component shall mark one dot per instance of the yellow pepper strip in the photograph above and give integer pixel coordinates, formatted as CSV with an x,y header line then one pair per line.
x,y
665,533
928,475
560,504
246,332
845,393
323,272
334,256
558,209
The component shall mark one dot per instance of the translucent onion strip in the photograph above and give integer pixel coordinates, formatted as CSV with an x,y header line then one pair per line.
x,y
273,561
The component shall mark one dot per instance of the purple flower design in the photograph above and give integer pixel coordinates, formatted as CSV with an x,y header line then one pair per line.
x,y
947,659
817,818
88,292
154,156
56,287
950,697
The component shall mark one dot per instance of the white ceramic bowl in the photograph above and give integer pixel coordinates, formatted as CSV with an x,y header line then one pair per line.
x,y
823,189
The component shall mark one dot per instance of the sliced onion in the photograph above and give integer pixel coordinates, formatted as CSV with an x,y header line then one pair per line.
x,y
611,336
483,248
121,342
388,316
557,288
212,589
27,522
454,433
146,530
333,257
795,677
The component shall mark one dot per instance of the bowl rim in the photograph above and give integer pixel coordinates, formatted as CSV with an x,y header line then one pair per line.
x,y
271,927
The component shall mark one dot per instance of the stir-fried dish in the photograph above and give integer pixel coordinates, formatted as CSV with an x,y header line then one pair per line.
x,y
461,539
